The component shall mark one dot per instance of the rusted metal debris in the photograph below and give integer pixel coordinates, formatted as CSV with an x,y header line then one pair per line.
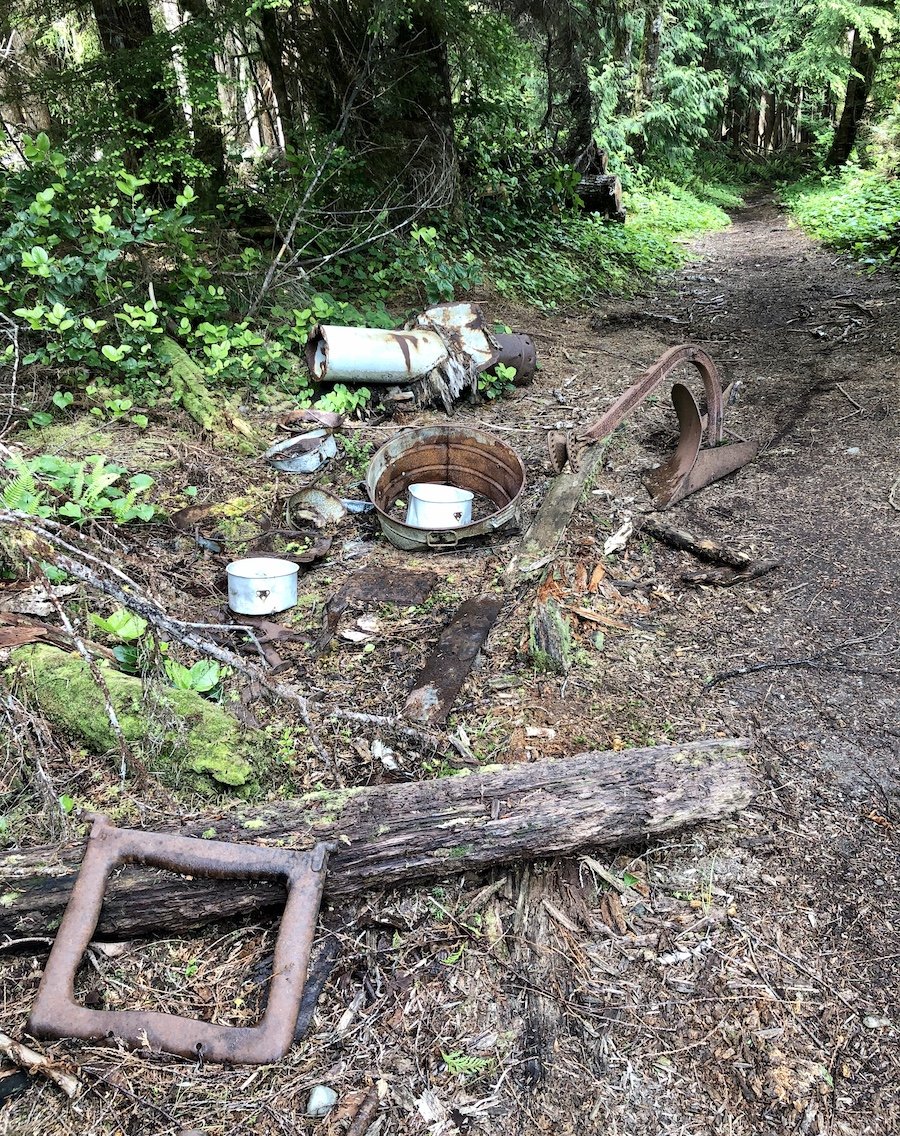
x,y
402,587
57,1014
448,455
441,352
448,665
690,468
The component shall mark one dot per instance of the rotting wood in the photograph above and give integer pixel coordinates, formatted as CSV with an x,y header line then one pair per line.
x,y
746,567
448,665
552,519
394,834
550,645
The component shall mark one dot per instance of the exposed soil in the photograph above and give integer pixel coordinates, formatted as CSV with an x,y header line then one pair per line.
x,y
742,979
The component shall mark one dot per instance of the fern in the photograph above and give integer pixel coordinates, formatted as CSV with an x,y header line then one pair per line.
x,y
22,493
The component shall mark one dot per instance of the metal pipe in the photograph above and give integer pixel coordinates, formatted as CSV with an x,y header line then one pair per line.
x,y
372,355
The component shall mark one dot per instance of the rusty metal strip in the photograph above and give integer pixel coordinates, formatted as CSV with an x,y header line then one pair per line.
x,y
447,667
404,587
691,467
56,1013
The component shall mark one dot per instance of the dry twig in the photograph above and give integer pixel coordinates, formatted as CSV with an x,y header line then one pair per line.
x,y
35,1062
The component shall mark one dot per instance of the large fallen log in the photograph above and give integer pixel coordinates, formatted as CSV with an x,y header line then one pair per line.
x,y
394,834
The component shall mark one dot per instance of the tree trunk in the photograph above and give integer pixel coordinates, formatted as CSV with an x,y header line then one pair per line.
x,y
864,58
270,48
393,834
125,26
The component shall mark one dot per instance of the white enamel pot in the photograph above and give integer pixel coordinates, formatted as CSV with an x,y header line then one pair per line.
x,y
261,585
433,506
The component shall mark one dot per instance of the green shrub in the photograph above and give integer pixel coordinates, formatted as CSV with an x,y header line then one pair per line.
x,y
857,210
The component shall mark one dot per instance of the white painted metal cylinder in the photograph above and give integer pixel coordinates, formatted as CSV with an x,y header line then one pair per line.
x,y
372,355
433,506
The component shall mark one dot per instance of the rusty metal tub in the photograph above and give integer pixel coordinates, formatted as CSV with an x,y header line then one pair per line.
x,y
449,455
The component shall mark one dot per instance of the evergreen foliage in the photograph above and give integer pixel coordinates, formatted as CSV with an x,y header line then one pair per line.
x,y
201,177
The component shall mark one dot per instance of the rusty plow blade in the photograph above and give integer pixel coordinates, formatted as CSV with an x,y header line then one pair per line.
x,y
692,466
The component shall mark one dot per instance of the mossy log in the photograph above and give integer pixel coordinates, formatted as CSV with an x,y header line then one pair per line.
x,y
391,834
212,412
188,740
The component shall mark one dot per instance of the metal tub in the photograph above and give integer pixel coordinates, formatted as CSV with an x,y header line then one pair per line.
x,y
448,455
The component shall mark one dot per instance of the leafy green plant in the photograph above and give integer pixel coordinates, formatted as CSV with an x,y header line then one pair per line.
x,y
48,486
137,645
857,210
357,452
498,381
122,624
344,400
204,676
466,1065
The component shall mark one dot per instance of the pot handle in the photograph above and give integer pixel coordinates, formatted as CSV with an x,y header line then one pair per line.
x,y
442,539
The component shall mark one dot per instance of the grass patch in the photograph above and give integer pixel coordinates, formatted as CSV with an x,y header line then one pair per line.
x,y
576,258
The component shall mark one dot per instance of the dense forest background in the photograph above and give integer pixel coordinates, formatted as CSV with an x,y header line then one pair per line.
x,y
211,178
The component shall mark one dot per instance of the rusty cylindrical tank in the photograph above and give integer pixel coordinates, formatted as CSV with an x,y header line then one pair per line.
x,y
448,455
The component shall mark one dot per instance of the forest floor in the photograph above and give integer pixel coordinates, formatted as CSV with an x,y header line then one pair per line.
x,y
745,979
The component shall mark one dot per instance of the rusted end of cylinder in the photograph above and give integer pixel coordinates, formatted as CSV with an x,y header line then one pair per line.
x,y
518,350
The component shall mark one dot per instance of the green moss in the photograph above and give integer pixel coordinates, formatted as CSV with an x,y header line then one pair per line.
x,y
205,749
189,389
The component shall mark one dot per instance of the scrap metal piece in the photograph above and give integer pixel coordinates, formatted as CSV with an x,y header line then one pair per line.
x,y
517,350
691,467
403,587
445,455
56,1013
448,665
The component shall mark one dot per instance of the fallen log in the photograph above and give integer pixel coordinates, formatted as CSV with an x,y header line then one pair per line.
x,y
392,834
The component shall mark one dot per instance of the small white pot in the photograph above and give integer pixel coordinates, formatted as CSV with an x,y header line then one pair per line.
x,y
261,585
434,506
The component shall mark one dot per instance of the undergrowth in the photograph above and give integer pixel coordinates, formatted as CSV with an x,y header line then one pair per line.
x,y
857,210
99,278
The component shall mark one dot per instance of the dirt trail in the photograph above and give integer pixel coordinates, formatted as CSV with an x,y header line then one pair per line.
x,y
742,978
777,1016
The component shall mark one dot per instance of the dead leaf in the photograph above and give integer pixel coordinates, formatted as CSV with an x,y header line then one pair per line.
x,y
581,578
596,576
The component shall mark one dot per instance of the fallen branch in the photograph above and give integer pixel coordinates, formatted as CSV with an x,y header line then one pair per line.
x,y
35,1062
811,662
392,834
747,566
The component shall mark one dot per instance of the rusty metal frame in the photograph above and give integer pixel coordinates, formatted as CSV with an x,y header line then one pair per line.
x,y
56,1013
691,467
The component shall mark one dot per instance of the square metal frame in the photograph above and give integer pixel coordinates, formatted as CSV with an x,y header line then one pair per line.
x,y
56,1014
